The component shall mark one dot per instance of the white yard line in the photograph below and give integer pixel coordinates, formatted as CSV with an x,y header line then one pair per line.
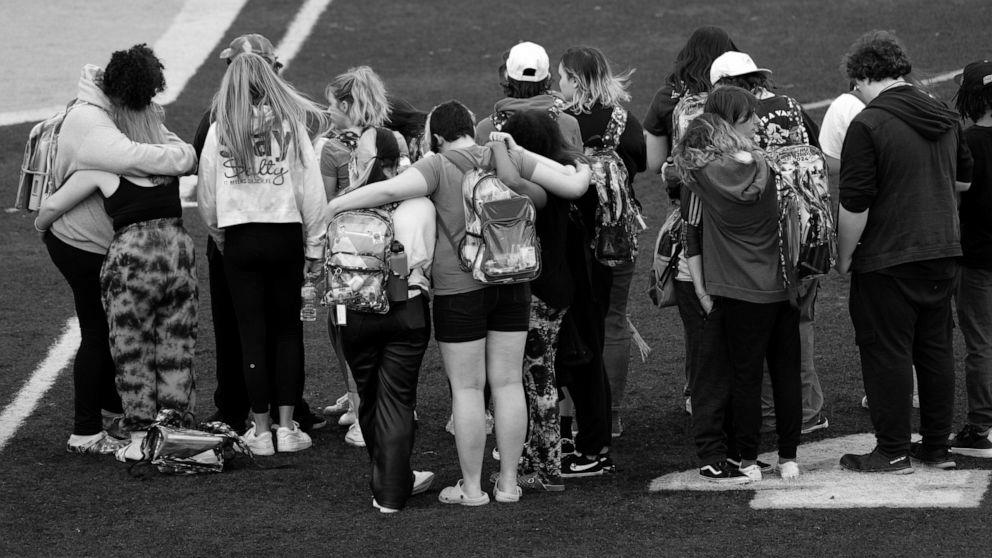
x,y
300,29
59,355
940,78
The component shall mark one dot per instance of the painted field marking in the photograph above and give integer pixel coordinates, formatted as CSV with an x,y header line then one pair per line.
x,y
59,355
824,485
940,78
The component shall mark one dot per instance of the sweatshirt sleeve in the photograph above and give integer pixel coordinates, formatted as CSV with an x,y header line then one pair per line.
x,y
105,148
206,187
314,200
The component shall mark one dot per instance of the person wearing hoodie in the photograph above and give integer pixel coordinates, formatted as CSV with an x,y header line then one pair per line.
x,y
902,164
527,86
258,183
78,240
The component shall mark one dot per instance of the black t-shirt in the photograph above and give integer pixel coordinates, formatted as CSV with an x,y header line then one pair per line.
x,y
658,120
975,209
554,285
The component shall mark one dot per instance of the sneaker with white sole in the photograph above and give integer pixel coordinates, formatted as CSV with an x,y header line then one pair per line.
x,y
354,436
292,439
422,481
972,441
752,472
383,509
788,470
348,418
258,443
819,422
877,462
936,457
764,467
100,443
720,473
342,405
575,465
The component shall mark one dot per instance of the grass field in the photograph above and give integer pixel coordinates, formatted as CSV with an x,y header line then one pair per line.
x,y
53,503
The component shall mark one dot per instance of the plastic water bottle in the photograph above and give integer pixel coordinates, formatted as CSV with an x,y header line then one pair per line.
x,y
308,294
399,269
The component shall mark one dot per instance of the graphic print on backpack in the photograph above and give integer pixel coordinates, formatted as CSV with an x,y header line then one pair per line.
x,y
356,263
807,235
664,268
618,219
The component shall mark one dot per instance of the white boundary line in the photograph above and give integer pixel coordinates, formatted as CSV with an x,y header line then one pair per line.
x,y
940,78
59,355
300,29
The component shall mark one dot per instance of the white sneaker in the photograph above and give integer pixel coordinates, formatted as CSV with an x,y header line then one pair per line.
x,y
383,509
752,472
354,436
132,451
422,481
292,439
788,470
348,418
259,444
342,405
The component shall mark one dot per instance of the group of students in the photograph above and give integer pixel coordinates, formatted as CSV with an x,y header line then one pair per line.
x,y
275,167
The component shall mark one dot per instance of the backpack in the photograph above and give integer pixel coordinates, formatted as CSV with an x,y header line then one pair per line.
x,y
667,253
356,262
500,245
499,118
807,236
618,217
782,127
37,181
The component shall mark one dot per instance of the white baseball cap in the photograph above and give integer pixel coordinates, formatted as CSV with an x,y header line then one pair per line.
x,y
731,64
528,62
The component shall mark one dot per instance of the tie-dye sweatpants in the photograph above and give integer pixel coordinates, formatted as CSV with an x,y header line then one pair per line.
x,y
542,451
150,295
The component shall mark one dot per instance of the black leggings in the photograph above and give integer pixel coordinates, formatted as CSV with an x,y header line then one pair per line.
x,y
264,265
93,369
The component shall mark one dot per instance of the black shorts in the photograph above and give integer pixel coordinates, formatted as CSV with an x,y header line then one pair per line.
x,y
468,316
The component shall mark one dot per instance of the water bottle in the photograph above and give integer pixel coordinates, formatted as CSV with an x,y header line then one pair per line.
x,y
399,268
308,294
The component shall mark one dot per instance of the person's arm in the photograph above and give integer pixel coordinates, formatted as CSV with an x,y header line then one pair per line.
x,y
312,208
77,188
509,175
104,147
564,182
408,184
206,188
657,151
849,230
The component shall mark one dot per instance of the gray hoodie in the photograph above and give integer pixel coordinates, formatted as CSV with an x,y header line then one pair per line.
x,y
89,140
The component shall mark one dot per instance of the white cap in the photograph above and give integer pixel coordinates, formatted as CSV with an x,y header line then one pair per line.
x,y
731,64
528,62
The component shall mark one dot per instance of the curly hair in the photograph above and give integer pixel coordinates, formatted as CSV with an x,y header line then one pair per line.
x,y
707,138
133,77
875,56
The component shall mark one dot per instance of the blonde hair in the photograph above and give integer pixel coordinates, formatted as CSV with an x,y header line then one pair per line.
x,y
142,126
251,83
366,96
595,82
707,138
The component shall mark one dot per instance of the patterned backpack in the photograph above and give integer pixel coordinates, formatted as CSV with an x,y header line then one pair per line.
x,y
807,236
618,217
500,244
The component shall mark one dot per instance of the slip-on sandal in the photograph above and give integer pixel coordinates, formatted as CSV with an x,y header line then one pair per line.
x,y
455,495
509,496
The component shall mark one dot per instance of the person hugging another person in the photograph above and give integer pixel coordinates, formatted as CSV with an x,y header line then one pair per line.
x,y
750,320
137,306
258,182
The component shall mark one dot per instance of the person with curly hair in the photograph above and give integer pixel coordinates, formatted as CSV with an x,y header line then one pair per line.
x,y
146,322
902,165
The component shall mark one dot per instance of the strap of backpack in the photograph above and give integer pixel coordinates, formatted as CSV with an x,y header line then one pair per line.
x,y
615,127
797,116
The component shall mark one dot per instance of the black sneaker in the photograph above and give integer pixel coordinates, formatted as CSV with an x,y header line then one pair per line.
x,y
937,457
875,462
818,423
971,442
309,421
607,463
721,473
567,446
575,465
736,464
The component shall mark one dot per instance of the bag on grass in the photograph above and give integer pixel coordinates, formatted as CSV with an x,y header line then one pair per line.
x,y
36,180
356,264
500,245
667,252
618,217
807,236
176,450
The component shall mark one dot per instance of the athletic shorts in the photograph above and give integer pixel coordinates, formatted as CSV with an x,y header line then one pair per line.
x,y
468,316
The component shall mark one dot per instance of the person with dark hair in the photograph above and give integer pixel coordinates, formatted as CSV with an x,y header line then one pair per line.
x,y
231,393
409,121
551,294
974,294
78,239
689,77
481,329
527,86
592,93
781,122
902,164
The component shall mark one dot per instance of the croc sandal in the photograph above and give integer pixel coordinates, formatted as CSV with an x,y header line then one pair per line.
x,y
455,495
